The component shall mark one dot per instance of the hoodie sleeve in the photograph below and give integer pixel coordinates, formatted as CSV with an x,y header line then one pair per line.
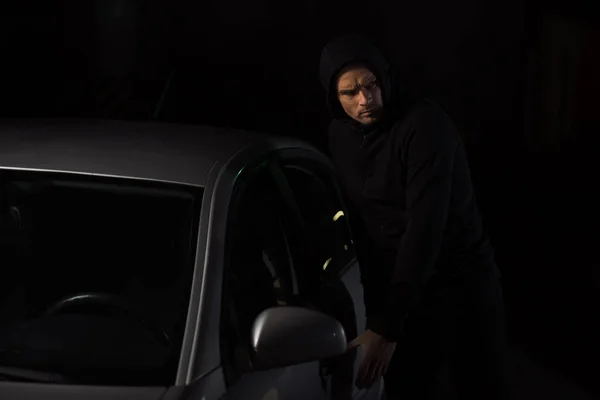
x,y
364,249
429,147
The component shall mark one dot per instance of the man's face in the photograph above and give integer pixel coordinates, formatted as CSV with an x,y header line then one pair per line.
x,y
359,94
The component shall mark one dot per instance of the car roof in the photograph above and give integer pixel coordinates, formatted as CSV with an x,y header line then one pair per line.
x,y
144,150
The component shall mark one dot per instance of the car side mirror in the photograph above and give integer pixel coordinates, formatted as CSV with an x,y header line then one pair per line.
x,y
284,336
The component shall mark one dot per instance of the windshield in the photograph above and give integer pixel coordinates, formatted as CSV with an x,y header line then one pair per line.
x,y
96,275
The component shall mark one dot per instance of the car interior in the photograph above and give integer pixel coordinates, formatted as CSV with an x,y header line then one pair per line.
x,y
96,277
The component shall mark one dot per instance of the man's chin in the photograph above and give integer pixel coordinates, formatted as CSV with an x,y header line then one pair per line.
x,y
368,119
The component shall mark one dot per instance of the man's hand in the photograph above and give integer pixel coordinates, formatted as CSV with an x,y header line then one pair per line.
x,y
377,353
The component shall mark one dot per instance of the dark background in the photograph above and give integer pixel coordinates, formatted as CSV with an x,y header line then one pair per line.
x,y
520,79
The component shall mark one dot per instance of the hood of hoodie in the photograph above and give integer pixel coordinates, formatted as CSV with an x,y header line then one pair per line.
x,y
349,49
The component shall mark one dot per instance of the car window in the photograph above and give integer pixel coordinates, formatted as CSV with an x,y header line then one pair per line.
x,y
276,257
121,250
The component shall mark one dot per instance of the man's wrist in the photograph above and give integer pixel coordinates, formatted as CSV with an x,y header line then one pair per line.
x,y
389,328
376,324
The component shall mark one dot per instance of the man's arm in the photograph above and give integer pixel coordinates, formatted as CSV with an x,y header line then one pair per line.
x,y
429,151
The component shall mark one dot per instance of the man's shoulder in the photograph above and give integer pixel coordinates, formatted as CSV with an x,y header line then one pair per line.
x,y
422,114
418,109
427,121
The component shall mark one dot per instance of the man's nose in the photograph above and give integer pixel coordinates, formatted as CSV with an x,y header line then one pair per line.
x,y
364,97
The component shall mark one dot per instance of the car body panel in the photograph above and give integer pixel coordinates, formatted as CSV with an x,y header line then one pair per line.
x,y
39,391
153,151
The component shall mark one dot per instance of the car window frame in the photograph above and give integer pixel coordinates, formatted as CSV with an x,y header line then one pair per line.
x,y
261,165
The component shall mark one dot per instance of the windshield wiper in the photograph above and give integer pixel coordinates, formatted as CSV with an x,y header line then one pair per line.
x,y
15,374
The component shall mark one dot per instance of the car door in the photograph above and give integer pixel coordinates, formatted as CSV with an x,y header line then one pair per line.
x,y
291,203
309,184
259,274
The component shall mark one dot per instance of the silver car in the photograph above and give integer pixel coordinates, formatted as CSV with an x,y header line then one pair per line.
x,y
162,261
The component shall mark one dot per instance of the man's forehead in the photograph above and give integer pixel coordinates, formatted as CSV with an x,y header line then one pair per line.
x,y
350,76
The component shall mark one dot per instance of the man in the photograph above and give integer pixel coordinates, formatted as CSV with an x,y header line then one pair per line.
x,y
431,287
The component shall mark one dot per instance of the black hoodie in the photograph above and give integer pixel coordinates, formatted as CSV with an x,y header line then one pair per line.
x,y
411,204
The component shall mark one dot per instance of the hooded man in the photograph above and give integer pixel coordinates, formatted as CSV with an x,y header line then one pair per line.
x,y
431,288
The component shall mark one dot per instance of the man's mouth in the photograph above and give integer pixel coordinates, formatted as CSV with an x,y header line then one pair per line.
x,y
369,112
